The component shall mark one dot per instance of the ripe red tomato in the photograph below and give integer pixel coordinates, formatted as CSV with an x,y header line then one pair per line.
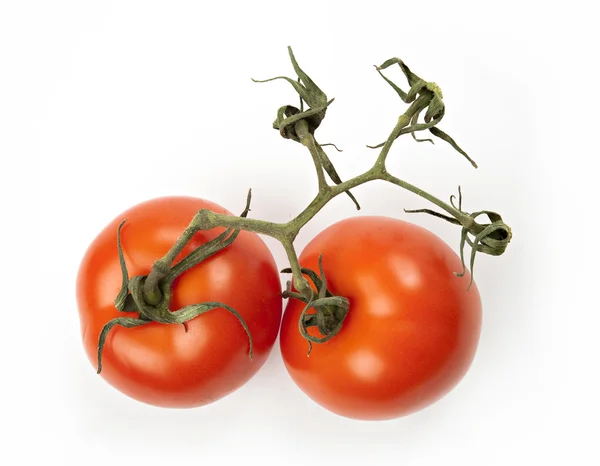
x,y
412,329
161,364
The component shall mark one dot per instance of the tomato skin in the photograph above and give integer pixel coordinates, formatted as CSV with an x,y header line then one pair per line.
x,y
412,329
161,364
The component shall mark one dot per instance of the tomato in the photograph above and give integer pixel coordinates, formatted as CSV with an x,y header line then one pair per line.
x,y
412,328
162,364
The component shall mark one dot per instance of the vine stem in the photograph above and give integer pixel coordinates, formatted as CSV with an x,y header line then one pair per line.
x,y
403,121
308,140
300,283
285,233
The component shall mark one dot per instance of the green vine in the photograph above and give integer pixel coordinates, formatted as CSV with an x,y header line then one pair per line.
x,y
150,295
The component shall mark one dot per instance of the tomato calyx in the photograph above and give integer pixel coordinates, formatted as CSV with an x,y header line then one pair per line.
x,y
422,95
330,311
489,238
150,295
310,93
300,125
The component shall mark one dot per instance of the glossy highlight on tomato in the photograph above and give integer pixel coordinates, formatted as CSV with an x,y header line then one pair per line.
x,y
163,364
412,329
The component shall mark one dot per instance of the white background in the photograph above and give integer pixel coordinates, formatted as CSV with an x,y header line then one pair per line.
x,y
120,101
